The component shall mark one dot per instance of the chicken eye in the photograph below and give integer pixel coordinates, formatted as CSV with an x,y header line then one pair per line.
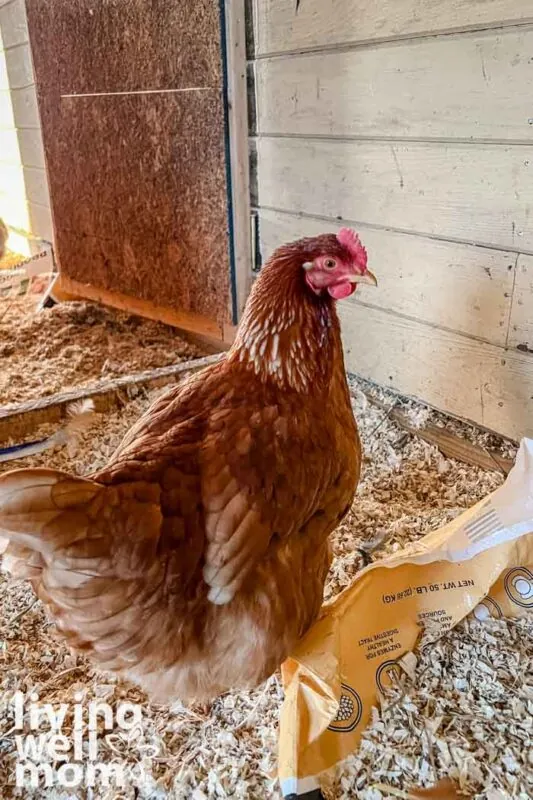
x,y
330,263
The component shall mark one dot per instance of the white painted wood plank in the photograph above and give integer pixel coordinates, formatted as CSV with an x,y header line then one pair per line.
x,y
481,194
25,109
13,24
36,186
41,222
19,66
437,88
470,379
456,286
521,328
31,147
278,27
239,160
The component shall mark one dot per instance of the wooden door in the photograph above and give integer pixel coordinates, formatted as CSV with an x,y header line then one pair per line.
x,y
133,99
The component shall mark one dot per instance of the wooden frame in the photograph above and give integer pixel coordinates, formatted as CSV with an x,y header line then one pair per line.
x,y
18,421
237,132
203,329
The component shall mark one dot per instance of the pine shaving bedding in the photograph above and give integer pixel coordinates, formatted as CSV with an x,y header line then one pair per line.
x,y
74,344
465,713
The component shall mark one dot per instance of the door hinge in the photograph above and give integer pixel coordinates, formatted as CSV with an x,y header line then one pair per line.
x,y
255,242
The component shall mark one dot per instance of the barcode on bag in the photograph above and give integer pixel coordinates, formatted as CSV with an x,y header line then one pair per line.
x,y
484,524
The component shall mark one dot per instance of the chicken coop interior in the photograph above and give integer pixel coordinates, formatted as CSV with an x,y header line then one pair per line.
x,y
266,399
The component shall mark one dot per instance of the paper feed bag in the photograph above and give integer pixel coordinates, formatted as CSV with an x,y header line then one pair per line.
x,y
481,562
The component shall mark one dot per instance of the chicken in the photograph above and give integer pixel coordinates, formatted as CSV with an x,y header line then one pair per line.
x,y
197,558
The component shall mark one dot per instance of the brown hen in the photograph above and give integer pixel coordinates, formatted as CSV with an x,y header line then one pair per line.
x,y
194,562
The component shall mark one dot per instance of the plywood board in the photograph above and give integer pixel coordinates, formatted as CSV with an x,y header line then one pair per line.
x,y
481,194
283,25
464,288
132,116
152,218
458,375
126,45
521,328
449,87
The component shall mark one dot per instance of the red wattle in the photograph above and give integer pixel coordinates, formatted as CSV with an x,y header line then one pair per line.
x,y
341,290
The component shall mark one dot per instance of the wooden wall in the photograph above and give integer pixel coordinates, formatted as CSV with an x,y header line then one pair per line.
x,y
411,120
24,197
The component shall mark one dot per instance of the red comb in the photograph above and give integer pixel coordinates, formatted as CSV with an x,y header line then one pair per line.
x,y
350,240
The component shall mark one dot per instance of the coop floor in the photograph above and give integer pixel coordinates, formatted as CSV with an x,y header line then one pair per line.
x,y
465,715
74,344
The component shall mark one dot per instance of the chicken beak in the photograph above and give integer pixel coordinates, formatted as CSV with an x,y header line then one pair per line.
x,y
366,277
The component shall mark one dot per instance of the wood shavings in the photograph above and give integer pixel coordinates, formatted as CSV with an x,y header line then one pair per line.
x,y
456,719
74,344
463,712
420,415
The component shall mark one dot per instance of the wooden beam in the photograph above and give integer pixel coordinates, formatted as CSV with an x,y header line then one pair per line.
x,y
238,148
450,445
17,422
208,343
186,320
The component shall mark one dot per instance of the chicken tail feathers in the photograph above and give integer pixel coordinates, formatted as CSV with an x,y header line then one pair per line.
x,y
34,501
90,552
41,511
67,524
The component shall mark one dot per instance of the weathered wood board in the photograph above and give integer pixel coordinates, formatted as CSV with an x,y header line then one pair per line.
x,y
521,327
411,121
481,194
188,321
284,25
449,443
454,373
445,88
